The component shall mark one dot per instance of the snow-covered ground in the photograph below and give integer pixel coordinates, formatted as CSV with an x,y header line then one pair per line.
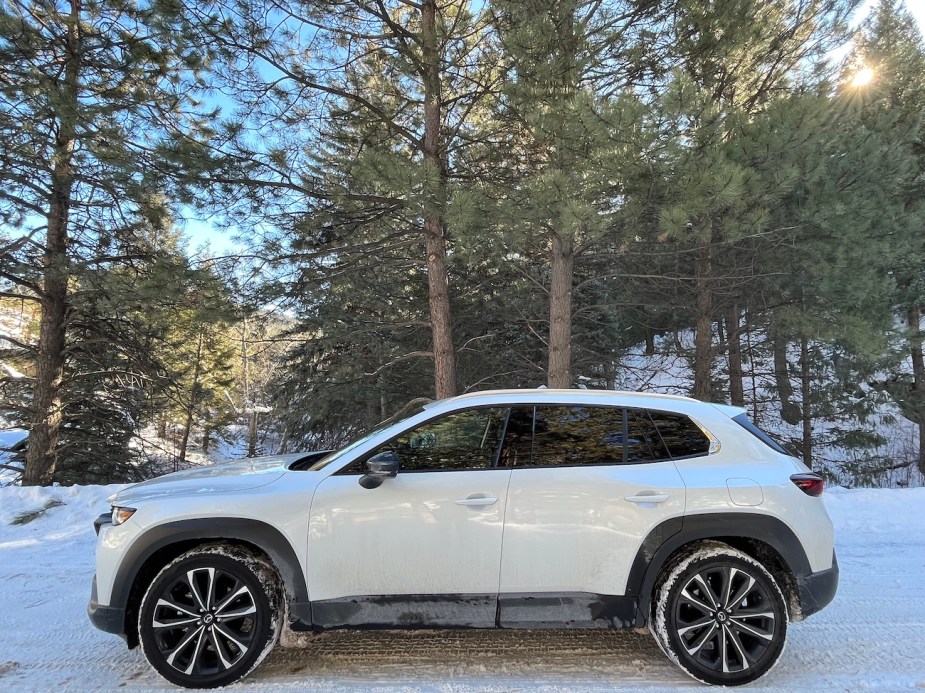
x,y
871,638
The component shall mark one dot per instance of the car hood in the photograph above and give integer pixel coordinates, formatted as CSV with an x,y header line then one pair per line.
x,y
226,477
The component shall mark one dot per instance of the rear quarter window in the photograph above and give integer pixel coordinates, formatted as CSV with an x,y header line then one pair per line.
x,y
681,436
746,423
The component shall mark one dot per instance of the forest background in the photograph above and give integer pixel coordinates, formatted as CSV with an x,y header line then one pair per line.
x,y
719,199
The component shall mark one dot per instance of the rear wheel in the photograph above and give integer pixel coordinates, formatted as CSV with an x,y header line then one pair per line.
x,y
720,616
210,616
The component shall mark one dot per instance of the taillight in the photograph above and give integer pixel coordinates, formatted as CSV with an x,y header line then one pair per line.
x,y
810,484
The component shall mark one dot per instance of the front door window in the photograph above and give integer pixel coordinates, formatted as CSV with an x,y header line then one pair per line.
x,y
465,440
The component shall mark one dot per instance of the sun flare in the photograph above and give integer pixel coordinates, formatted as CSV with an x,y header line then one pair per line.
x,y
862,77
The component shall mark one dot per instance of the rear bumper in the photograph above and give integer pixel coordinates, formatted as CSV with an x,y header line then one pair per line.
x,y
106,618
818,589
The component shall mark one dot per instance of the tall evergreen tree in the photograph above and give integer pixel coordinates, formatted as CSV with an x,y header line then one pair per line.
x,y
404,77
735,60
890,57
89,95
573,116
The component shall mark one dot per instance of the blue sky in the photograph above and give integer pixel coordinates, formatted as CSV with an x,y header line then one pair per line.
x,y
219,241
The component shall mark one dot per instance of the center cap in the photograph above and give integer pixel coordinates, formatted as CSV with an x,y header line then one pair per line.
x,y
207,619
721,616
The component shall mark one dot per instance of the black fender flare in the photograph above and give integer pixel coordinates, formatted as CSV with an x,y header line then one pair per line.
x,y
200,531
672,534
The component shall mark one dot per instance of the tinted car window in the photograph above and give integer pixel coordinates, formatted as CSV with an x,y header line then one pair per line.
x,y
643,442
681,436
763,436
518,438
577,435
465,440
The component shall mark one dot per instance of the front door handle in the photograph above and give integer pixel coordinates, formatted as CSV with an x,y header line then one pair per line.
x,y
477,500
648,497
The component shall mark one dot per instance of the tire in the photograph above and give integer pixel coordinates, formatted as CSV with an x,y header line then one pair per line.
x,y
210,616
720,616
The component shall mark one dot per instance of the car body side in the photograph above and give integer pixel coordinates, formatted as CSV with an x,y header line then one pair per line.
x,y
757,510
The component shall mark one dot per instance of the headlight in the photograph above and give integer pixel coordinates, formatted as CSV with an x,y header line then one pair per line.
x,y
120,515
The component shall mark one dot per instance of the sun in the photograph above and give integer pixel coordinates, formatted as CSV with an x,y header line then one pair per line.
x,y
862,77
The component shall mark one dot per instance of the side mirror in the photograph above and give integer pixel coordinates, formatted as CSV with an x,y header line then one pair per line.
x,y
379,468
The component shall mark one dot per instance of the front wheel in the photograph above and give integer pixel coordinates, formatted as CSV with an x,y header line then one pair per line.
x,y
210,616
720,616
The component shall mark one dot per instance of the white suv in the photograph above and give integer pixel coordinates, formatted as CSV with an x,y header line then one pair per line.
x,y
508,509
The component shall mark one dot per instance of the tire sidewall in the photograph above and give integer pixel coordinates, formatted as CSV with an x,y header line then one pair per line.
x,y
669,590
255,574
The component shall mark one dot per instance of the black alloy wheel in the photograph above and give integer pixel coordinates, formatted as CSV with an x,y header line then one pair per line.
x,y
721,616
209,617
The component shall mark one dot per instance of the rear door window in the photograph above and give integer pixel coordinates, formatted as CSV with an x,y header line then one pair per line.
x,y
577,435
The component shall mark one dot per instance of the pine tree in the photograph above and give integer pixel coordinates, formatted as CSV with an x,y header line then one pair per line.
x,y
734,61
88,97
572,117
405,78
890,51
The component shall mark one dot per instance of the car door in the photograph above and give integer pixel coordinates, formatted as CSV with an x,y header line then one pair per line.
x,y
424,547
588,484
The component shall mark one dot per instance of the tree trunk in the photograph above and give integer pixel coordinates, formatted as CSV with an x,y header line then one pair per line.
x,y
807,412
191,408
751,369
789,411
703,339
734,351
252,434
245,357
434,209
560,314
45,416
207,435
918,375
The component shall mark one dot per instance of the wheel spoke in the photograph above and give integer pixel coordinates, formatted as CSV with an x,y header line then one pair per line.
x,y
237,613
707,590
173,623
193,584
162,602
210,592
694,626
197,652
694,601
755,612
171,658
220,649
742,592
700,641
234,595
729,575
752,630
724,650
228,636
739,648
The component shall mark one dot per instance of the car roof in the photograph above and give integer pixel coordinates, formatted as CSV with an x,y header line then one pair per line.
x,y
550,396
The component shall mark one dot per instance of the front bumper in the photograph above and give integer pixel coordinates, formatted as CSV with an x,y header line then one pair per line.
x,y
107,618
818,589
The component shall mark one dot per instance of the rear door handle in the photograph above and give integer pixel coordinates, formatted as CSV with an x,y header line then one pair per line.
x,y
477,500
648,497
